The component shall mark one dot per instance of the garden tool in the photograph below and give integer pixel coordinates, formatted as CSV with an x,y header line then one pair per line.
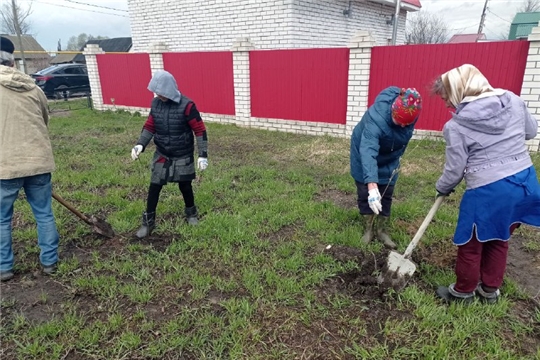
x,y
99,226
399,266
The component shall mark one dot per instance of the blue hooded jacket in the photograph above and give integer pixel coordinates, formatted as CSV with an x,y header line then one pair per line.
x,y
377,143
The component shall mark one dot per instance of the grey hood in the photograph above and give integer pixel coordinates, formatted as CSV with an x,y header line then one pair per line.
x,y
489,115
164,84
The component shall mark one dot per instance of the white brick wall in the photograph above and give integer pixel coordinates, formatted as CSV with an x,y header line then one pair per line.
x,y
530,90
192,25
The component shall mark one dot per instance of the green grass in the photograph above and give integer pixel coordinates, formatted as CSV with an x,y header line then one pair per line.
x,y
253,280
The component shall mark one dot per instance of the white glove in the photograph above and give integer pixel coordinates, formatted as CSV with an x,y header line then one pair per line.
x,y
136,151
202,163
374,200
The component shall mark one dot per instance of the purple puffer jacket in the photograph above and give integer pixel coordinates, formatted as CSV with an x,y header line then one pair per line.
x,y
485,141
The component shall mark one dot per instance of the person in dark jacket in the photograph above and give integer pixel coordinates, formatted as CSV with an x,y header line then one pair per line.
x,y
174,123
377,144
485,146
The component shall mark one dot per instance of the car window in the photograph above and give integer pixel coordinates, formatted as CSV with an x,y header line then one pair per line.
x,y
57,72
73,70
49,70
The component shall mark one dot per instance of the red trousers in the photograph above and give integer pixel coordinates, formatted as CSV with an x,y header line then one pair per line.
x,y
481,262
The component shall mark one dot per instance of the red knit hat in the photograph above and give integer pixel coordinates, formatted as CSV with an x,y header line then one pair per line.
x,y
407,106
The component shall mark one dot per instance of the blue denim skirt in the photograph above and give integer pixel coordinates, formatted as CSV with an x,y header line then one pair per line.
x,y
490,210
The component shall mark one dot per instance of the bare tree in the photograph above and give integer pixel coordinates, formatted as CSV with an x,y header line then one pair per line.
x,y
530,6
9,22
426,28
77,42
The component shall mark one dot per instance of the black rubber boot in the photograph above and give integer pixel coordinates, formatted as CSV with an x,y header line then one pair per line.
x,y
369,220
191,215
382,232
148,224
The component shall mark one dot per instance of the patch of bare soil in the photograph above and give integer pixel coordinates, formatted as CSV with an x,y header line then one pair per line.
x,y
523,266
339,198
60,113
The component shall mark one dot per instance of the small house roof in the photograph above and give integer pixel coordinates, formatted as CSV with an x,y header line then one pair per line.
x,y
466,38
121,44
32,49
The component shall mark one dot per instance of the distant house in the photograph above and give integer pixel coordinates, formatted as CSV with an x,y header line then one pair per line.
x,y
467,38
122,44
523,24
268,24
36,56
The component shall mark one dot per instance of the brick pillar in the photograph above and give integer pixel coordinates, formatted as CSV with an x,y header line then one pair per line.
x,y
530,91
242,95
90,52
156,56
359,62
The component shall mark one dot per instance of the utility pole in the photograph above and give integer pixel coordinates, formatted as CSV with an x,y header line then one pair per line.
x,y
483,18
396,18
17,27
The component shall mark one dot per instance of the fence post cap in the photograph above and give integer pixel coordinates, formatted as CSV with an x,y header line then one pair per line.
x,y
92,49
159,47
361,39
242,44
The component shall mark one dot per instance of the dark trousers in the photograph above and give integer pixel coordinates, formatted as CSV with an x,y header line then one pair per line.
x,y
362,198
481,262
155,189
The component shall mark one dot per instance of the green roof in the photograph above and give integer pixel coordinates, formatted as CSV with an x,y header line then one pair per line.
x,y
527,18
523,31
523,24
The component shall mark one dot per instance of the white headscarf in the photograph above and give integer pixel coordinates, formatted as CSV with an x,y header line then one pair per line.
x,y
466,83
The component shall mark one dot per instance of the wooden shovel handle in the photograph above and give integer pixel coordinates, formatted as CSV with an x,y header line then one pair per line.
x,y
424,226
71,208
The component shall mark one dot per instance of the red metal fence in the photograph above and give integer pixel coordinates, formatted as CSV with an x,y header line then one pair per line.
x,y
301,84
124,79
503,63
205,77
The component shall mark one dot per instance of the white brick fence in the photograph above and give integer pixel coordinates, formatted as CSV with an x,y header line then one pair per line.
x,y
358,87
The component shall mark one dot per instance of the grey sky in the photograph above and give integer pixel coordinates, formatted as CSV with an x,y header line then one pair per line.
x,y
464,16
61,19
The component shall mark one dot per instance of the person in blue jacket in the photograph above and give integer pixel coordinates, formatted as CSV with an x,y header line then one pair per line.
x,y
378,141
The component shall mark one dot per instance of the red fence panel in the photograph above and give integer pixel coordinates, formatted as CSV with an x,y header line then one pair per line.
x,y
125,78
503,64
205,77
300,84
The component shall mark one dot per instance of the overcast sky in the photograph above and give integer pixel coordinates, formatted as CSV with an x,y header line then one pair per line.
x,y
60,19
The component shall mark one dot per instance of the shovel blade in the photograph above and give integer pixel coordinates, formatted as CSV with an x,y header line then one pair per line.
x,y
400,265
102,227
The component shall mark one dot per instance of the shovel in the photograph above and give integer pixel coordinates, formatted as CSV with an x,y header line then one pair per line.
x,y
99,226
399,266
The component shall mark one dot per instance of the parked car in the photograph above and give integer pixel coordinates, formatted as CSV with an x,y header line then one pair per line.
x,y
63,80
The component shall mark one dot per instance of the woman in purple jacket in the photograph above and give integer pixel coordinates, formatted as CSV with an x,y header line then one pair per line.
x,y
485,144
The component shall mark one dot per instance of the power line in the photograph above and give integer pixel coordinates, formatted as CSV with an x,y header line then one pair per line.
x,y
466,27
491,12
98,6
71,7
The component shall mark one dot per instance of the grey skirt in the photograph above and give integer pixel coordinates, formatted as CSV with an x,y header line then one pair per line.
x,y
172,170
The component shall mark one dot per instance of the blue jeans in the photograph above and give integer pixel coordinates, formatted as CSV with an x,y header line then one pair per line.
x,y
38,190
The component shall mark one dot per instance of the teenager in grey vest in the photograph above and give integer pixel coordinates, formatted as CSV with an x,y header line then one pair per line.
x,y
174,123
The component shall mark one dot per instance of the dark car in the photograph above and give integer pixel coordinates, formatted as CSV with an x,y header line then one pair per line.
x,y
63,80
